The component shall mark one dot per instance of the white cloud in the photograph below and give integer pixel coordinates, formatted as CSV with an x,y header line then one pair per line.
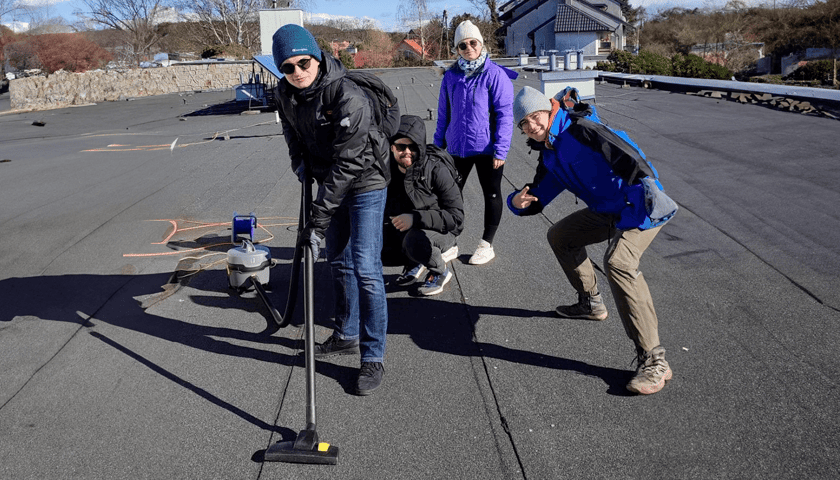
x,y
326,17
41,3
17,27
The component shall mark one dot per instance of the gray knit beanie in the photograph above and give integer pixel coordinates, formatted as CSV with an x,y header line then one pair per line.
x,y
528,101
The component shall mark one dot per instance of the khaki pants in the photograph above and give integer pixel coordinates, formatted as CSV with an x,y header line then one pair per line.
x,y
568,239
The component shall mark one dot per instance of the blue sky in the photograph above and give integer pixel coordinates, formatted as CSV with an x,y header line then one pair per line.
x,y
385,12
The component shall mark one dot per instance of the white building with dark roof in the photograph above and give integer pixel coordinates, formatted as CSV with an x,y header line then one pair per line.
x,y
537,26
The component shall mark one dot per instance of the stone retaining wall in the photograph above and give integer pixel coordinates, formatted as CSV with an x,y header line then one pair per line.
x,y
62,89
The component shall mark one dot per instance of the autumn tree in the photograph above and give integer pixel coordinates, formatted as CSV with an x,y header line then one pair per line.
x,y
377,50
7,36
68,51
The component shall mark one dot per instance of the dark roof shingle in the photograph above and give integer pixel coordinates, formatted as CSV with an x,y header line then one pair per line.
x,y
570,19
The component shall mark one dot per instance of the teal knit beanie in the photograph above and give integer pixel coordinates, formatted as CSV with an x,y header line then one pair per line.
x,y
291,40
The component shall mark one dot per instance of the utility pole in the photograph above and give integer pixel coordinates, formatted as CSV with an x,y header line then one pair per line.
x,y
445,47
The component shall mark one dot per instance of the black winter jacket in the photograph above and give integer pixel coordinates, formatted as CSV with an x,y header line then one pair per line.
x,y
428,183
329,128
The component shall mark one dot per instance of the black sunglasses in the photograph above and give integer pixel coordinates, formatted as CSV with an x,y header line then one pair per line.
x,y
401,147
472,43
289,68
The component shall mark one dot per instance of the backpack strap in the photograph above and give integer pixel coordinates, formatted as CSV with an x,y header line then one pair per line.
x,y
625,160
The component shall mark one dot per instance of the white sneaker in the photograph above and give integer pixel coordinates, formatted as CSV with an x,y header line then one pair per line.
x,y
483,254
450,254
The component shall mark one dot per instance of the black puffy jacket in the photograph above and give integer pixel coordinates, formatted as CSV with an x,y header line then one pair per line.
x,y
330,129
428,183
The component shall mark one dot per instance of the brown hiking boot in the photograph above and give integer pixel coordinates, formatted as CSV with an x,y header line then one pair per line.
x,y
652,373
589,307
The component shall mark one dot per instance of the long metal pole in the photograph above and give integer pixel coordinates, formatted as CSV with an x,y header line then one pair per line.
x,y
309,314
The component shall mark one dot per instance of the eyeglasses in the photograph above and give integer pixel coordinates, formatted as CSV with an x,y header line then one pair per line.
x,y
289,68
471,43
401,147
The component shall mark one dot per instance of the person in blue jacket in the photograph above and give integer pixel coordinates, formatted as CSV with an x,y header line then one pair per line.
x,y
475,124
625,207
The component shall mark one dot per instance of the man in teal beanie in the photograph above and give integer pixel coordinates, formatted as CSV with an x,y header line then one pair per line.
x,y
328,126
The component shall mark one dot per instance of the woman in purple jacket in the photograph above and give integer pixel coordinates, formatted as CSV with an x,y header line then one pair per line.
x,y
475,124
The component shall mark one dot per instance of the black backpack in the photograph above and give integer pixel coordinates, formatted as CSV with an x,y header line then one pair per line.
x,y
387,116
436,153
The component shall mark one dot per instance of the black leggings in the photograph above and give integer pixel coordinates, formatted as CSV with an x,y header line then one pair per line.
x,y
491,185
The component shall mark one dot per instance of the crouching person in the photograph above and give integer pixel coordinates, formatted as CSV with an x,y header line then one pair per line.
x,y
424,211
626,208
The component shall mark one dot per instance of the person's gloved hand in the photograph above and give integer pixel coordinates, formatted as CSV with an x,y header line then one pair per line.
x,y
301,173
311,237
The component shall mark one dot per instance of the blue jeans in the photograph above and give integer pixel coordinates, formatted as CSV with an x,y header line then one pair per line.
x,y
354,246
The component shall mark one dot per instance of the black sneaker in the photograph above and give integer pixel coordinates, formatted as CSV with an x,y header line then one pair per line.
x,y
336,346
411,275
370,377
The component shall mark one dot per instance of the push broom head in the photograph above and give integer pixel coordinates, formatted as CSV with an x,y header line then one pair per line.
x,y
304,449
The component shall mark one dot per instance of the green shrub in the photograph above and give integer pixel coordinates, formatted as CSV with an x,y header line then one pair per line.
x,y
772,79
651,64
621,60
718,72
346,59
820,70
693,66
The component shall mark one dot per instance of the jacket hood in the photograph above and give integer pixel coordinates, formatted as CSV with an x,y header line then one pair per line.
x,y
413,128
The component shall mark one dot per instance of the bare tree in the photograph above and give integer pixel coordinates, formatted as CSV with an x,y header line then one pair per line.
x,y
228,22
231,22
415,14
43,19
134,17
351,24
301,4
9,6
482,9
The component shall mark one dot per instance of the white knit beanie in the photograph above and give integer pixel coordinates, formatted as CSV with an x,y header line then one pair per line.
x,y
528,101
467,30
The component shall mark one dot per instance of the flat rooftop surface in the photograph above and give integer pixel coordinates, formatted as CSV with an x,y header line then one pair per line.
x,y
126,356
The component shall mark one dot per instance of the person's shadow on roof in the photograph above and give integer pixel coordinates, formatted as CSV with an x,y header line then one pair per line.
x,y
119,300
449,327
